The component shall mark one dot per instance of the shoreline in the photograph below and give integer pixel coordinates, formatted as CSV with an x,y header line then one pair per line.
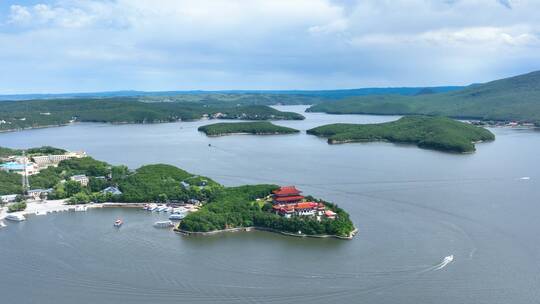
x,y
53,206
254,228
37,208
247,133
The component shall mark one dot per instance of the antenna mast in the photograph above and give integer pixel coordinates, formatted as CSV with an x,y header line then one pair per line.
x,y
25,182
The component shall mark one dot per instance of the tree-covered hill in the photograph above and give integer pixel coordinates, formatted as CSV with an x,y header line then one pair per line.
x,y
514,98
39,113
236,207
438,133
257,128
162,182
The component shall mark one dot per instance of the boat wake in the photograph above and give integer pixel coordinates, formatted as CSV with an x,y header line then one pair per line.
x,y
447,260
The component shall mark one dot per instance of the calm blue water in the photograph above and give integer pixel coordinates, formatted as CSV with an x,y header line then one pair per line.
x,y
413,207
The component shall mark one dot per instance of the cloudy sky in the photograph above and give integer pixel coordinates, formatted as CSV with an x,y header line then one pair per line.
x,y
99,45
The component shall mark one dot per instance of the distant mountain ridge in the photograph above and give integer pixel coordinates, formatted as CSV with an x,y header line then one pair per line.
x,y
325,94
513,98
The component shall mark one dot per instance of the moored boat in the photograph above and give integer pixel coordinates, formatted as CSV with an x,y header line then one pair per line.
x,y
163,224
161,208
81,208
2,224
177,216
16,217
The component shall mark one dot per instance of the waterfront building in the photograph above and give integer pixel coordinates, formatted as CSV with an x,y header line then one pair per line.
x,y
9,198
287,201
299,209
38,193
83,179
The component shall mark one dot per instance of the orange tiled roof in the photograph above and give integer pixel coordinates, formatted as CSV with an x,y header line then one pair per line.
x,y
287,190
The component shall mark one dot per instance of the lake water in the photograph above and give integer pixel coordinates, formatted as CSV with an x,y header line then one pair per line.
x,y
413,208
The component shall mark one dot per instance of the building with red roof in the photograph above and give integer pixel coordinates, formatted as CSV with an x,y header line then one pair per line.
x,y
288,201
287,195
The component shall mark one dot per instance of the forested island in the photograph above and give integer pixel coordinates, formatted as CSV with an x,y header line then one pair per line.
x,y
221,207
510,99
17,115
437,133
255,128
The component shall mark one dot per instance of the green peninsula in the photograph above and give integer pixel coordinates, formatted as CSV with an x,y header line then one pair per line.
x,y
510,99
24,114
437,133
216,208
255,128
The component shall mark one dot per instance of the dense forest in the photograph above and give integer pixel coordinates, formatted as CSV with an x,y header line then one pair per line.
x,y
515,98
257,128
238,207
438,133
16,115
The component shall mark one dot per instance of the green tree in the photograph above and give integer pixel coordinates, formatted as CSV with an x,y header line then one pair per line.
x,y
72,187
18,206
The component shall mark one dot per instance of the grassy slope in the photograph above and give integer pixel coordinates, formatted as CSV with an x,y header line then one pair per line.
x,y
259,127
437,133
515,98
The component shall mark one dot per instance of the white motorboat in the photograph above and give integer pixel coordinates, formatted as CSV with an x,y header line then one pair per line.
x,y
81,208
177,216
2,224
118,223
41,212
161,208
163,224
152,207
16,217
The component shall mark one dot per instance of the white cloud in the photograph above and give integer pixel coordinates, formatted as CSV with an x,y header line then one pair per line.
x,y
190,44
19,14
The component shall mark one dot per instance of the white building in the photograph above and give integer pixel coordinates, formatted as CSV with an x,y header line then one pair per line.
x,y
53,160
37,193
8,198
83,179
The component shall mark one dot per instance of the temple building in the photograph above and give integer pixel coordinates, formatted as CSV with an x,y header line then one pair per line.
x,y
288,201
287,195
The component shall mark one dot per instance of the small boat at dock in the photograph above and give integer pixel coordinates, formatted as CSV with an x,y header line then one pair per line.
x,y
17,217
177,216
81,208
161,208
2,224
118,223
163,224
